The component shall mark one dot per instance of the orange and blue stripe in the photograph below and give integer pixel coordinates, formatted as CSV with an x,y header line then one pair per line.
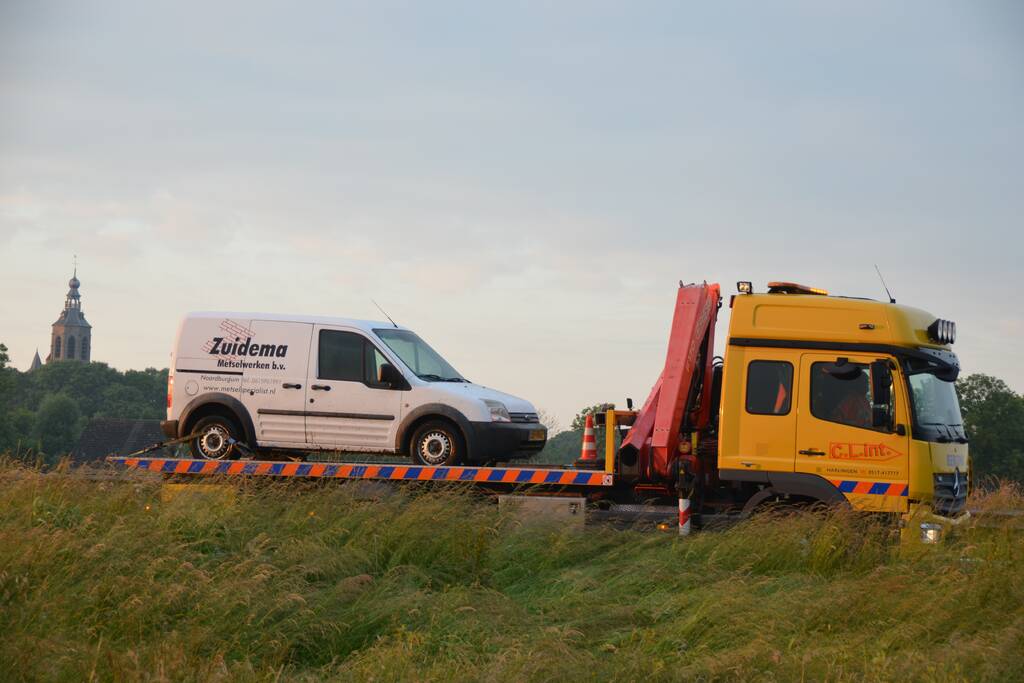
x,y
871,488
494,475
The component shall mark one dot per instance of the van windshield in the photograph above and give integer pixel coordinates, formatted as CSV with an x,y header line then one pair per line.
x,y
418,356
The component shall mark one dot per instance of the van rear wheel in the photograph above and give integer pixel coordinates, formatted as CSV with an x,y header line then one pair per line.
x,y
215,436
437,443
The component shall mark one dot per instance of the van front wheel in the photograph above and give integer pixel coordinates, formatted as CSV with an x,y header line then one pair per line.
x,y
437,443
214,437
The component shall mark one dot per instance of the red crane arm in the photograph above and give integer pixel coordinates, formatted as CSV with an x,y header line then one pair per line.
x,y
655,432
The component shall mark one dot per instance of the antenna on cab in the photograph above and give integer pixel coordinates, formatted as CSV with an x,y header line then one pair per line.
x,y
384,312
884,286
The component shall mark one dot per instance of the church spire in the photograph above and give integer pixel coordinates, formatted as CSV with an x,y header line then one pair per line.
x,y
71,338
74,299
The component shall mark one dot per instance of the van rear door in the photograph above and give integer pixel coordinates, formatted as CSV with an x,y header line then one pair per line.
x,y
347,409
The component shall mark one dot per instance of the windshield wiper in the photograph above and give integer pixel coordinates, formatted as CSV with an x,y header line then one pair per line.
x,y
432,378
454,379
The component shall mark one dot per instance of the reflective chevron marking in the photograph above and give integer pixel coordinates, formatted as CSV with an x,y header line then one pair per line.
x,y
494,475
872,488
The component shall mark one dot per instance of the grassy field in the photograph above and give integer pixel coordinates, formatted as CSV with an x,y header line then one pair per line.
x,y
103,581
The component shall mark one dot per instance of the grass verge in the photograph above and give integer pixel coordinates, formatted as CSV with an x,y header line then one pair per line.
x,y
291,581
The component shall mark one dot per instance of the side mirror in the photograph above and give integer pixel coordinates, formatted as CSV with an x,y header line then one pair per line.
x,y
389,375
881,395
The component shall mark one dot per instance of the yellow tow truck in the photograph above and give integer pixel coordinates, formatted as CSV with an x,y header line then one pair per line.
x,y
818,399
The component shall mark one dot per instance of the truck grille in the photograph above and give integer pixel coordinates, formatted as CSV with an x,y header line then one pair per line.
x,y
524,417
950,493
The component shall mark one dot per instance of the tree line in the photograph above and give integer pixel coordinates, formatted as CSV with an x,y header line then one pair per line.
x,y
44,411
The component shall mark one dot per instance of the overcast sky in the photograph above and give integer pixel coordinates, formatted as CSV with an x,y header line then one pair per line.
x,y
522,183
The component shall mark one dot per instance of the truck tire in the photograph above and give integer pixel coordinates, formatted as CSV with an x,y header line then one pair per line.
x,y
436,443
212,438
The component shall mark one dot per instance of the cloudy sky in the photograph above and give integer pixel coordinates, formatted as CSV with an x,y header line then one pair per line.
x,y
522,183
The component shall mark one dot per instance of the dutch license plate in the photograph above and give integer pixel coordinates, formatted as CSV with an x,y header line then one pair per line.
x,y
537,434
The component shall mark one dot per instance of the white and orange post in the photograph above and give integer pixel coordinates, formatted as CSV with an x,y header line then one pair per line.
x,y
684,516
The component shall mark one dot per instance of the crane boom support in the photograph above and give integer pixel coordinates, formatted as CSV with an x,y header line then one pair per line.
x,y
655,433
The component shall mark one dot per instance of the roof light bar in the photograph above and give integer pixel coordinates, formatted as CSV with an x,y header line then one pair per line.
x,y
794,288
942,331
744,287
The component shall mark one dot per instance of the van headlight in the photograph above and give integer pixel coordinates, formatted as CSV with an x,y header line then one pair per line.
x,y
499,413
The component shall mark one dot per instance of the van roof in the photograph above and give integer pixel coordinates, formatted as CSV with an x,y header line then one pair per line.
x,y
365,325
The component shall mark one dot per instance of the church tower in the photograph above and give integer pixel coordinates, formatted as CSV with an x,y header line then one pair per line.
x,y
71,338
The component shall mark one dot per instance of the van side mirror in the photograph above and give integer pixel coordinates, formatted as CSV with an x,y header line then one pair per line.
x,y
389,376
881,395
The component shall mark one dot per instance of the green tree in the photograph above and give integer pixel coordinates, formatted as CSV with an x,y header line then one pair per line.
x,y
994,421
8,381
563,448
32,419
58,424
579,422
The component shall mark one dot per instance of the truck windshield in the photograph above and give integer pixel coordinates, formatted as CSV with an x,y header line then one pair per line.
x,y
418,356
936,407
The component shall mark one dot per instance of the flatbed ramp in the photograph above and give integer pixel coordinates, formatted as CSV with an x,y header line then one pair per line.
x,y
549,476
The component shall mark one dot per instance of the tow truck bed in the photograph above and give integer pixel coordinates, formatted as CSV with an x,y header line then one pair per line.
x,y
537,475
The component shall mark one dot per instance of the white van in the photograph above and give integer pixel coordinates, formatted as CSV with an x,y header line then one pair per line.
x,y
309,383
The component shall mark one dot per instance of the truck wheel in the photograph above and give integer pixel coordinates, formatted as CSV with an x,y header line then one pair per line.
x,y
437,443
212,440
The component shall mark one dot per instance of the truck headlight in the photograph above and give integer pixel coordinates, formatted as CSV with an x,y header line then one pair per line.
x,y
499,413
931,533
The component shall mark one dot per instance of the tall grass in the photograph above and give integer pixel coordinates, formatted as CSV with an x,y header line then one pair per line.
x,y
292,581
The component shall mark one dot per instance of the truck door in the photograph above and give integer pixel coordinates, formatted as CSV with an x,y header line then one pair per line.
x,y
766,418
843,434
347,408
274,356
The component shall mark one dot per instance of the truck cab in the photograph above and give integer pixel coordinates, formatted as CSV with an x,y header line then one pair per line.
x,y
831,398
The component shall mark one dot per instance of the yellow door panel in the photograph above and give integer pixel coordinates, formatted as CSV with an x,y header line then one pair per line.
x,y
835,436
759,401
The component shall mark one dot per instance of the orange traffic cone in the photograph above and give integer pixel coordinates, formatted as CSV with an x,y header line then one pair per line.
x,y
588,452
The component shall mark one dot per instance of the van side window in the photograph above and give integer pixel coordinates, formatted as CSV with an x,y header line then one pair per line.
x,y
340,356
769,387
844,398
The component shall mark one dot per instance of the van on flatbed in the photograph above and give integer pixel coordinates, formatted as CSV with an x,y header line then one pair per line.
x,y
305,383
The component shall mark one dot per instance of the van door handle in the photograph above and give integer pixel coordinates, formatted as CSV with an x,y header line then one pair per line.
x,y
320,387
812,451
286,385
